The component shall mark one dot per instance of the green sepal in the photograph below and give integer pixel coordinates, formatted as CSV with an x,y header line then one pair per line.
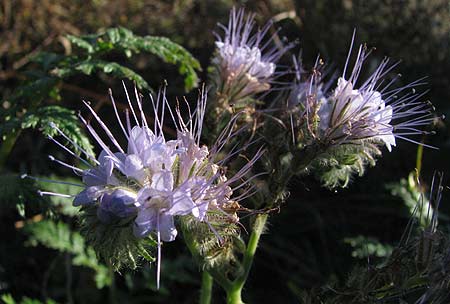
x,y
115,243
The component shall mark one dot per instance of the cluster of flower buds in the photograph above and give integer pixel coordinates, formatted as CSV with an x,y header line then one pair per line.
x,y
245,60
374,110
154,180
349,122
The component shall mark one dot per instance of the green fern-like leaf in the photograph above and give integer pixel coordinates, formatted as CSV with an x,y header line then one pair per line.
x,y
60,237
27,96
81,43
20,195
90,66
8,299
63,118
125,41
173,53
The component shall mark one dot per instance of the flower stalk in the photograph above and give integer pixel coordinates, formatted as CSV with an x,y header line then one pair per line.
x,y
207,286
234,294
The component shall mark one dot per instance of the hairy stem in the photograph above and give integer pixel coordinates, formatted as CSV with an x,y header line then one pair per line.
x,y
234,294
219,277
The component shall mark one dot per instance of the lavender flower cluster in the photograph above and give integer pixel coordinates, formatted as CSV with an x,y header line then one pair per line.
x,y
153,180
375,110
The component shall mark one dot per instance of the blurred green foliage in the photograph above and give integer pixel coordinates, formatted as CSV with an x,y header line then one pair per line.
x,y
59,236
8,299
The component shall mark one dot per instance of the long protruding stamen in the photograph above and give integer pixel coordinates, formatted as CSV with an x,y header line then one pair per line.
x,y
42,193
127,120
349,53
117,114
171,113
104,127
40,179
130,104
417,142
69,151
202,187
98,139
64,164
158,263
53,125
157,125
163,109
139,103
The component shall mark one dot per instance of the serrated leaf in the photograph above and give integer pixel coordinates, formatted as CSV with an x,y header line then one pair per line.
x,y
58,236
16,193
116,35
48,60
89,66
63,118
174,53
123,40
81,43
28,95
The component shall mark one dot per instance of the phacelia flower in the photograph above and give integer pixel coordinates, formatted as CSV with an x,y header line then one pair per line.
x,y
245,61
364,110
152,180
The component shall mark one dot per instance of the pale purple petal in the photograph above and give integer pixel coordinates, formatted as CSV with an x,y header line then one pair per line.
x,y
167,228
145,222
120,203
182,203
134,168
162,180
87,196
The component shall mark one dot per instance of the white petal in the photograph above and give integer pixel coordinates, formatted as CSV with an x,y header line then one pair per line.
x,y
145,222
167,228
389,140
162,180
182,203
134,168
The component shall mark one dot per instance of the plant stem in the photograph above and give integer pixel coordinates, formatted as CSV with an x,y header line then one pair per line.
x,y
419,158
219,277
234,294
258,228
206,290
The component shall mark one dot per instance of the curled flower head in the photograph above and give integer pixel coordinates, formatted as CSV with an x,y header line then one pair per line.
x,y
340,123
245,61
373,110
143,187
